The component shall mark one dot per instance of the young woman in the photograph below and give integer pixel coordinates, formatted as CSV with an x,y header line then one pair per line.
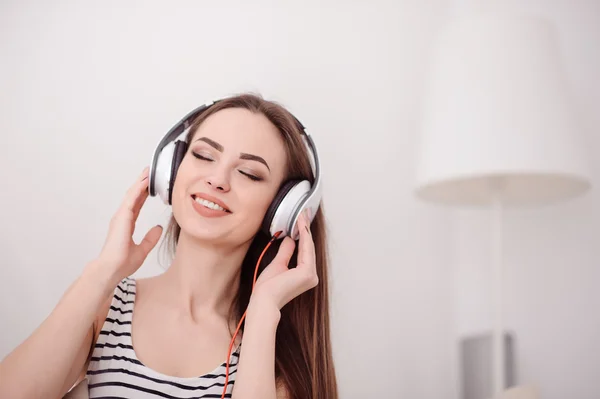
x,y
170,336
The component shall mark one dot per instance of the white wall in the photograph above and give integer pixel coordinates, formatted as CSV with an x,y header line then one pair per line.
x,y
552,274
88,90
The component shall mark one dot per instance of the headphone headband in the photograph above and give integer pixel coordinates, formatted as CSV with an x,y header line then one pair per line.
x,y
290,201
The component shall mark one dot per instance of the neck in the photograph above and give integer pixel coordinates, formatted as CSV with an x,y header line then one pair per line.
x,y
204,278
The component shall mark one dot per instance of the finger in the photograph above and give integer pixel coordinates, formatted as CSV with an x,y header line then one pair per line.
x,y
285,252
279,264
306,245
145,173
149,241
137,207
137,193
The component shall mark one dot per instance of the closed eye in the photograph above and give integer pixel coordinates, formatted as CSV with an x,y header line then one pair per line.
x,y
251,177
248,175
202,157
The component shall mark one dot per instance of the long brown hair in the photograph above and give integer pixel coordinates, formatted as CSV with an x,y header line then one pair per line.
x,y
303,353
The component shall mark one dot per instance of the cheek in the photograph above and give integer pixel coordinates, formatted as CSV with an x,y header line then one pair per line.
x,y
258,201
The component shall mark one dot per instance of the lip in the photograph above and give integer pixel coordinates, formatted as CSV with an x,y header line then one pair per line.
x,y
211,199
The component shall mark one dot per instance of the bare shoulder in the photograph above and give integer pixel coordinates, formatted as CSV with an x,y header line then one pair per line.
x,y
147,284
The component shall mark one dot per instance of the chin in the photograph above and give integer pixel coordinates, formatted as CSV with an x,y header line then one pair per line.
x,y
226,235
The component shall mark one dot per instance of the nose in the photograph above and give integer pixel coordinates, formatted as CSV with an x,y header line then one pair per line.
x,y
217,182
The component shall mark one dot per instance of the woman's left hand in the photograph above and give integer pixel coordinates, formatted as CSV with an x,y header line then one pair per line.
x,y
279,284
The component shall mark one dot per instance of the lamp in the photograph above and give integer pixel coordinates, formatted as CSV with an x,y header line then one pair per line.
x,y
498,129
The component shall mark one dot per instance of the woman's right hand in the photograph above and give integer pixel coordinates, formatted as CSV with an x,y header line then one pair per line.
x,y
120,254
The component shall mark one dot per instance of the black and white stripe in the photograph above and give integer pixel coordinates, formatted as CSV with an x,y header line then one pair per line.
x,y
116,372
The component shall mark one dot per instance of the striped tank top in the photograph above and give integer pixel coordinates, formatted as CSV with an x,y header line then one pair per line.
x,y
115,371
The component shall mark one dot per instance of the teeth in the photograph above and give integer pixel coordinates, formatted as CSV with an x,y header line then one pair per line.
x,y
210,205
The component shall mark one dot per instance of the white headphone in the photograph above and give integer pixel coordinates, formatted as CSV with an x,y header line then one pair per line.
x,y
292,198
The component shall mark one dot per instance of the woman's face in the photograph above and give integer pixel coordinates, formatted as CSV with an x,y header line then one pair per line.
x,y
230,174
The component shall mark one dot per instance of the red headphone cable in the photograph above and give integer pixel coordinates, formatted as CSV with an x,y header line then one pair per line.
x,y
244,316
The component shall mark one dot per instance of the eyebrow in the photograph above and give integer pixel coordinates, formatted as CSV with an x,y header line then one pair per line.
x,y
254,158
214,144
243,155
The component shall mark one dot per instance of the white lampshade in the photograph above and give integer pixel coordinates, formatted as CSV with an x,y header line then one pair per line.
x,y
498,105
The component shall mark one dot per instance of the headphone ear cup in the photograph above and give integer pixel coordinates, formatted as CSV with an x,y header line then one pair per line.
x,y
178,154
283,191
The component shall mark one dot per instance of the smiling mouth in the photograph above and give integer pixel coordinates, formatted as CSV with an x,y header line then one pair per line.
x,y
209,204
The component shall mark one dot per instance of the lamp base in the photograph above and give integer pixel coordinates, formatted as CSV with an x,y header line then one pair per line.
x,y
476,355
